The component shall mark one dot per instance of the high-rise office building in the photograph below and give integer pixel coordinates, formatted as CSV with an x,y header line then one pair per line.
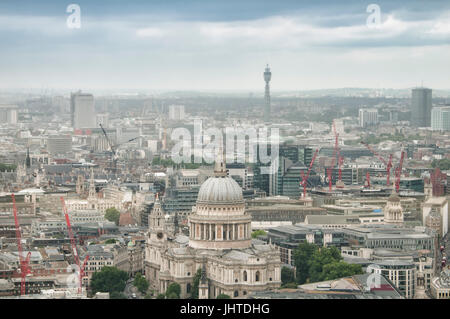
x,y
421,107
82,110
368,117
59,144
440,118
8,114
176,112
267,77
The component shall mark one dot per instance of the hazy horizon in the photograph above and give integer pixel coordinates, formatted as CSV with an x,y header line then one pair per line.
x,y
212,46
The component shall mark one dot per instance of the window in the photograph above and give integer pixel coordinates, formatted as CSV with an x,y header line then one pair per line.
x,y
257,276
188,288
236,293
245,275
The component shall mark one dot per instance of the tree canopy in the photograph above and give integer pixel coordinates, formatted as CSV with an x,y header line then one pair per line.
x,y
287,275
174,289
197,276
315,264
113,215
109,279
141,283
443,164
223,296
302,256
258,232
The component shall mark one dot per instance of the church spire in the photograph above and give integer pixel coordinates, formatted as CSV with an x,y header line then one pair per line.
x,y
92,193
220,165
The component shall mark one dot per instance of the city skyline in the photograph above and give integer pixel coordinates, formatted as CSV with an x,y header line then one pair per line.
x,y
212,46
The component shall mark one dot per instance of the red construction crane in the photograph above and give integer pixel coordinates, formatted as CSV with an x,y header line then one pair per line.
x,y
388,164
398,172
437,181
388,170
336,150
305,178
24,262
367,180
74,247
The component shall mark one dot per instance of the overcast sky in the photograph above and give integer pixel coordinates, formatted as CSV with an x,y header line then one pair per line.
x,y
224,45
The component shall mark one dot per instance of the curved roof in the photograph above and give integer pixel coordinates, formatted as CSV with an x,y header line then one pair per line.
x,y
220,190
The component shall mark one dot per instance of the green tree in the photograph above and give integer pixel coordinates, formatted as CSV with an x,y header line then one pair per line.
x,y
287,275
340,269
161,296
7,167
173,289
302,256
258,232
223,296
140,283
110,241
172,295
197,276
320,258
109,279
292,285
113,215
443,164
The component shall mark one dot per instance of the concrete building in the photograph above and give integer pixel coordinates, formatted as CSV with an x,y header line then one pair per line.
x,y
354,287
390,237
368,117
440,118
176,112
8,114
401,273
393,211
421,107
440,206
59,144
440,286
82,110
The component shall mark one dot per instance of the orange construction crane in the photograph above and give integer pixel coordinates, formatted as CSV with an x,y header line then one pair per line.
x,y
74,247
24,262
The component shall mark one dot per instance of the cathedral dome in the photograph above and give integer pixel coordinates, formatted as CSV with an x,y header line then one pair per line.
x,y
220,190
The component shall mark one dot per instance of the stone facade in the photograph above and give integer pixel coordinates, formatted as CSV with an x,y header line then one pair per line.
x,y
219,243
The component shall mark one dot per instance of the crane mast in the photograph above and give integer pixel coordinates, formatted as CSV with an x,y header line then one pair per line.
x,y
398,172
24,262
74,247
305,178
387,164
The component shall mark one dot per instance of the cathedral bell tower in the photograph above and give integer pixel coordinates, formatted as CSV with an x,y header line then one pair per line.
x,y
156,222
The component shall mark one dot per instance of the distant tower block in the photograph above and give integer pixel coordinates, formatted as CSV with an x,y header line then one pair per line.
x,y
267,77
